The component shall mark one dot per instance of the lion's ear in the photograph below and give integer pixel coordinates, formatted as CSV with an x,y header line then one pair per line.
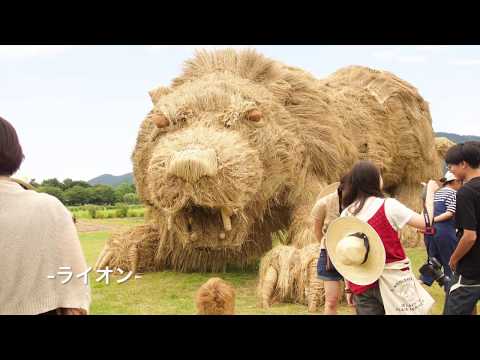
x,y
157,93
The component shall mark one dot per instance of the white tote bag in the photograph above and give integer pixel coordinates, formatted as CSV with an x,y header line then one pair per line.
x,y
402,293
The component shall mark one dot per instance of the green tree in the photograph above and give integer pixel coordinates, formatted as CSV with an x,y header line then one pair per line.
x,y
92,196
81,183
53,182
101,195
123,189
54,191
67,183
130,198
76,195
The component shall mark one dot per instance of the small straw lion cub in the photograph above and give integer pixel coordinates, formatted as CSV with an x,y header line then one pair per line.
x,y
215,297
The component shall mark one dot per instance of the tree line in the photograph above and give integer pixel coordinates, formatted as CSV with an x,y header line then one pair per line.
x,y
75,193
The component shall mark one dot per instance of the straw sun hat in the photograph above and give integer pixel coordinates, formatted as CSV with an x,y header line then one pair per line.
x,y
356,250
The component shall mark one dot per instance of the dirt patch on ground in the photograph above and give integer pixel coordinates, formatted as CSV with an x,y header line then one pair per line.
x,y
90,226
110,225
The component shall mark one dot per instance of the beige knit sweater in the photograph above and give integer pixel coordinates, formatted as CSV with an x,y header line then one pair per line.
x,y
37,236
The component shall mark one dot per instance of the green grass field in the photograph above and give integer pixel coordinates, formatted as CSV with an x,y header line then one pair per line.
x,y
107,212
172,293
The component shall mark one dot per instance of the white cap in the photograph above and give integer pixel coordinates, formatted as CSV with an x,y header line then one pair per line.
x,y
449,177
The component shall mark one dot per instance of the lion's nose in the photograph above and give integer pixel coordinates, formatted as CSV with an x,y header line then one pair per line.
x,y
192,164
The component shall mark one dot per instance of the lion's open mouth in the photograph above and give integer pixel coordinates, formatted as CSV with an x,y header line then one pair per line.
x,y
201,222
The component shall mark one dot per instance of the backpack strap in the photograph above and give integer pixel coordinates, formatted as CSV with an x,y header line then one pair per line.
x,y
23,184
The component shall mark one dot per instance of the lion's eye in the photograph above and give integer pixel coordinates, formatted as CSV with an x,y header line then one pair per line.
x,y
254,115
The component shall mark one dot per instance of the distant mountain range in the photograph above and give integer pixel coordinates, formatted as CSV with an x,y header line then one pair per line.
x,y
113,180
458,138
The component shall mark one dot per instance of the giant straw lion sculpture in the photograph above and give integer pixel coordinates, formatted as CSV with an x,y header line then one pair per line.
x,y
239,146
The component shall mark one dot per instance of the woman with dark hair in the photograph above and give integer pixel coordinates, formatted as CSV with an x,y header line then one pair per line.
x,y
364,199
37,238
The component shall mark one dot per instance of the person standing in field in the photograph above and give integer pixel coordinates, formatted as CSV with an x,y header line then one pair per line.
x,y
463,160
37,239
332,280
363,198
443,242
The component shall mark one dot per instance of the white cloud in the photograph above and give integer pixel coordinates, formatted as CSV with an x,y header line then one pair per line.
x,y
420,54
463,62
430,48
385,54
406,54
412,59
24,51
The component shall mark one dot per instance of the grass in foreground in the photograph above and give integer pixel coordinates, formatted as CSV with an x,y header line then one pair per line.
x,y
173,293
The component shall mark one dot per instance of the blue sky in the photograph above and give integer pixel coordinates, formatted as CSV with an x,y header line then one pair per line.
x,y
77,109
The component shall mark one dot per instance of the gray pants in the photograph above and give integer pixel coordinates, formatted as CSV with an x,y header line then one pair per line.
x,y
369,302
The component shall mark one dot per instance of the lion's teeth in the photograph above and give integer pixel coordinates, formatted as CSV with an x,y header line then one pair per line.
x,y
227,221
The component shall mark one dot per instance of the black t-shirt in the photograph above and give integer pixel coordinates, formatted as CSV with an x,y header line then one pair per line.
x,y
467,216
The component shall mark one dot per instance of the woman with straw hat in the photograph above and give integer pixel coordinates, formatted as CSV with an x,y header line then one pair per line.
x,y
364,242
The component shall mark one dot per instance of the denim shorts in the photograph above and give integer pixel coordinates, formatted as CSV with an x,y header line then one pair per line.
x,y
322,273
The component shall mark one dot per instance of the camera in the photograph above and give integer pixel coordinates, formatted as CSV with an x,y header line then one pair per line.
x,y
433,269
